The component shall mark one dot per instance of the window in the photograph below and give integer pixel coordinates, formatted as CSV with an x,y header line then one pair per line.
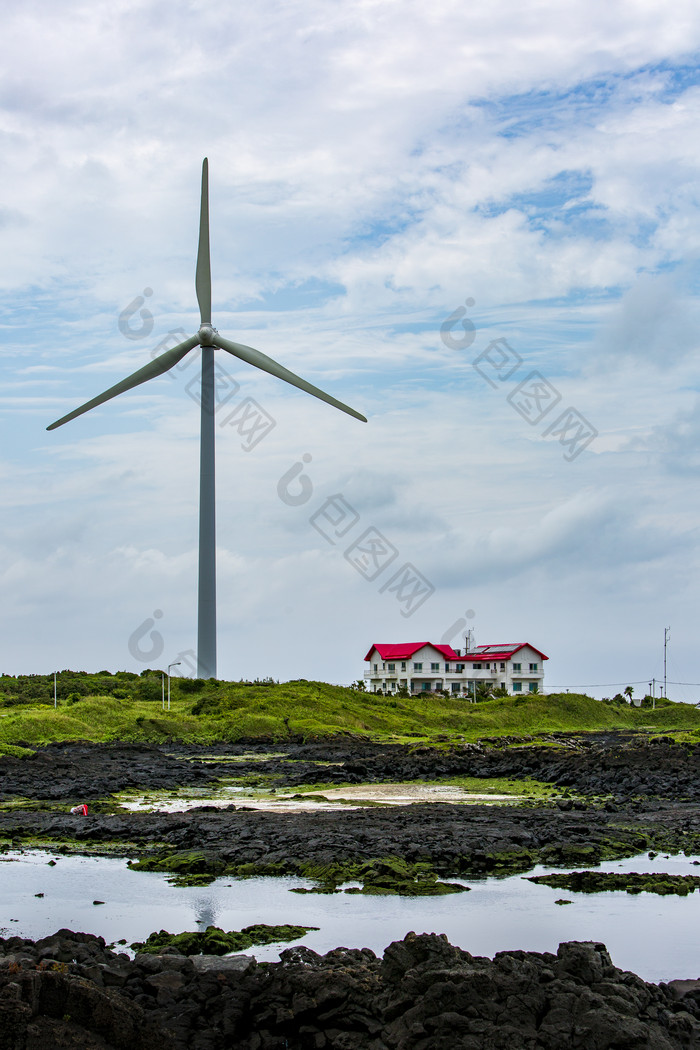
x,y
392,667
435,667
403,665
477,667
533,667
447,668
460,668
517,687
418,667
455,687
516,667
533,687
503,666
425,687
375,666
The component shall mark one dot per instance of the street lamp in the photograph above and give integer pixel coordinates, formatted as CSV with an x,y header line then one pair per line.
x,y
176,664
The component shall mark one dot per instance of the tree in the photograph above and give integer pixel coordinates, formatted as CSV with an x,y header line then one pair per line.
x,y
628,690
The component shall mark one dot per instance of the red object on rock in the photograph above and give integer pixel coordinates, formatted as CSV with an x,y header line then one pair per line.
x,y
81,810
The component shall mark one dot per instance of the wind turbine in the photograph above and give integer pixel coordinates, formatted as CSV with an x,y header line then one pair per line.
x,y
209,339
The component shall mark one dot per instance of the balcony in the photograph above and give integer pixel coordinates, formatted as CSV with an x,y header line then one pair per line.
x,y
469,674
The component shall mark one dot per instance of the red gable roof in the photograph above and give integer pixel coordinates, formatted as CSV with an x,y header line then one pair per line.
x,y
404,650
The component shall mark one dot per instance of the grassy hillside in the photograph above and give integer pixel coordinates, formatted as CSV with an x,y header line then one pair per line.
x,y
128,707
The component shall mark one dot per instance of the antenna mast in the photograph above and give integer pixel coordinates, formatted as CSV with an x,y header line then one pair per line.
x,y
667,634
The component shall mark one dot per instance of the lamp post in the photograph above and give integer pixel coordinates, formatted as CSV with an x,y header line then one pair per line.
x,y
176,664
162,690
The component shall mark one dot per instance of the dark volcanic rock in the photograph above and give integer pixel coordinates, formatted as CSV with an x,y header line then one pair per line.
x,y
621,765
425,994
82,771
454,840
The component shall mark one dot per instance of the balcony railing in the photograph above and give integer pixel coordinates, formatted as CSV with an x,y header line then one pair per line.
x,y
469,673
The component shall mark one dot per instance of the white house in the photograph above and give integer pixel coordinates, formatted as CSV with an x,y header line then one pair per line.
x,y
423,667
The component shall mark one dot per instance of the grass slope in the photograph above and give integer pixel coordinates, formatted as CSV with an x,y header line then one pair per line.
x,y
213,711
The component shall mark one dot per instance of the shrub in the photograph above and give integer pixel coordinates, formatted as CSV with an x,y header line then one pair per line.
x,y
149,689
191,685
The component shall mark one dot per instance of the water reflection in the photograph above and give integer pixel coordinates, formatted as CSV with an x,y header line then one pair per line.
x,y
653,936
206,911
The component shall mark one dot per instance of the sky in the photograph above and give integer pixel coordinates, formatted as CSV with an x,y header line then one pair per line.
x,y
480,227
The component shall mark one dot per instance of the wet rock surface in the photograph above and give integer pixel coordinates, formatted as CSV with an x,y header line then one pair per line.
x,y
622,765
616,764
453,840
629,881
69,990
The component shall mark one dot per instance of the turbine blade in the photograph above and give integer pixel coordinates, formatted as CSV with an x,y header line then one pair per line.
x,y
202,280
154,368
254,357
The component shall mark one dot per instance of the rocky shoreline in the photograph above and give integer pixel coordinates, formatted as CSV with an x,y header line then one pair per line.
x,y
623,766
450,839
71,990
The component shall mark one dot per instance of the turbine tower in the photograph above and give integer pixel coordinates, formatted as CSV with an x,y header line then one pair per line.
x,y
208,339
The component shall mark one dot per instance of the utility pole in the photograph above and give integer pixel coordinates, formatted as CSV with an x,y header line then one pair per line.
x,y
653,694
667,633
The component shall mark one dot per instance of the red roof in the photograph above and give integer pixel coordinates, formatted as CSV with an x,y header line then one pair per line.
x,y
404,650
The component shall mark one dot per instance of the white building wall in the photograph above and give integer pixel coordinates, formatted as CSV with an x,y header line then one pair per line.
x,y
524,673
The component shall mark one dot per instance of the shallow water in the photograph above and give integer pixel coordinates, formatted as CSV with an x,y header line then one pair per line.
x,y
400,794
654,936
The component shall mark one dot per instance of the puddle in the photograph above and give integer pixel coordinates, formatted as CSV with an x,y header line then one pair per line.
x,y
653,936
351,796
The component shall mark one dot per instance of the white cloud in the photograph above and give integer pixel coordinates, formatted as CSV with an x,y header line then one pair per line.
x,y
373,165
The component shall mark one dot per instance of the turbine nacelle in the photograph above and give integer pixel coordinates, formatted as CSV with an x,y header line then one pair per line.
x,y
206,334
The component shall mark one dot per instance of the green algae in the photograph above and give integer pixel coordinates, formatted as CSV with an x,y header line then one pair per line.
x,y
380,876
191,868
215,941
631,882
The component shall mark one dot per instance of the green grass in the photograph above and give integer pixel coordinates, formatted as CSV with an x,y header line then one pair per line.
x,y
233,711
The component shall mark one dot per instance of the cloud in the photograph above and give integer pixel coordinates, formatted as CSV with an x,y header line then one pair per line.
x,y
373,166
677,445
655,322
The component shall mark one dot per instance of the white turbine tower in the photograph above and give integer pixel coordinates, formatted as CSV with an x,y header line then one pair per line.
x,y
209,339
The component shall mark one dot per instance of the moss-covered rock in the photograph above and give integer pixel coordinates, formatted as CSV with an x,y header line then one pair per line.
x,y
193,868
571,853
214,941
384,875
631,882
398,877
